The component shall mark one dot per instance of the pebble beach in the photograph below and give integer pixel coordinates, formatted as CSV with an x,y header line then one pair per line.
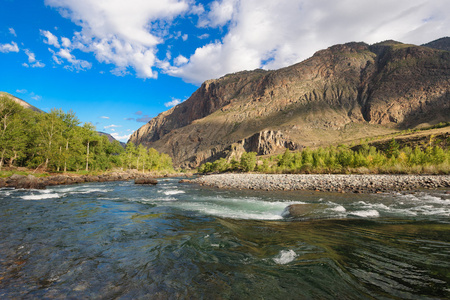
x,y
326,183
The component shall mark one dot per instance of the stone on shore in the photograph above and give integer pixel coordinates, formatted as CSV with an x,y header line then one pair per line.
x,y
326,182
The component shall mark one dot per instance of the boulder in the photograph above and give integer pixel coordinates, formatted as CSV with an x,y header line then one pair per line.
x,y
29,182
304,211
145,180
13,179
185,181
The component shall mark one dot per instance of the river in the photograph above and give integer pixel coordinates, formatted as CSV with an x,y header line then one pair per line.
x,y
182,241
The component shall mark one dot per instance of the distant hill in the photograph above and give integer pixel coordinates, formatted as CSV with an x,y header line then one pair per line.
x,y
441,44
21,102
341,94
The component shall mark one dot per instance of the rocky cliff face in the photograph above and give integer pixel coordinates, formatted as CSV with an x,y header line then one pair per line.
x,y
347,91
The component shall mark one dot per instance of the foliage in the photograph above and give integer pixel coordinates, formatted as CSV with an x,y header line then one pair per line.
x,y
55,141
342,159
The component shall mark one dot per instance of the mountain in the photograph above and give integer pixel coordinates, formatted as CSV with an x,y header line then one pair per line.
x,y
21,102
440,44
343,93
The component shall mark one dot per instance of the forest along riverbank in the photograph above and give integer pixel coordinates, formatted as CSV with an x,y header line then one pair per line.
x,y
32,182
326,183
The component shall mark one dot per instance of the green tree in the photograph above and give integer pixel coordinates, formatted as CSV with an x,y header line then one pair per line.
x,y
248,161
90,138
49,136
12,137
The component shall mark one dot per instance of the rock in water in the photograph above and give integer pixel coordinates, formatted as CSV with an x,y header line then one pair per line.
x,y
144,180
307,211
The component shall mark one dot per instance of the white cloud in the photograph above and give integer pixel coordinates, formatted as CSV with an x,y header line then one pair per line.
x,y
122,138
174,102
51,38
77,64
22,91
184,37
36,97
66,42
32,60
180,60
272,34
104,117
222,12
31,56
12,47
203,36
112,126
125,34
38,64
12,31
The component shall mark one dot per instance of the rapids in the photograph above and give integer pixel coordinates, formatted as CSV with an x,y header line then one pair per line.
x,y
172,240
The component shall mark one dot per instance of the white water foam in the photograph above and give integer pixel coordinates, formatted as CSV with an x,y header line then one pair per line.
x,y
172,192
285,257
371,213
42,196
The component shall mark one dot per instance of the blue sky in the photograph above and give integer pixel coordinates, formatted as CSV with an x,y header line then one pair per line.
x,y
119,63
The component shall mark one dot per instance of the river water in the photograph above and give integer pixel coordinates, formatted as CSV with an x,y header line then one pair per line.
x,y
180,241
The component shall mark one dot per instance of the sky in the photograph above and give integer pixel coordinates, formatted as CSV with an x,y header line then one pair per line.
x,y
118,63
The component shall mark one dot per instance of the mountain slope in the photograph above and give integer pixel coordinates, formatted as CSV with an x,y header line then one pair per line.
x,y
22,103
347,91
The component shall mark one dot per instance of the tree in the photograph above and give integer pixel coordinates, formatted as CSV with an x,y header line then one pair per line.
x,y
248,161
12,137
130,153
90,138
49,135
142,156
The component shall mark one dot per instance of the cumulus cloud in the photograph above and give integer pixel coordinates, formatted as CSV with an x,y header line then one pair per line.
x,y
31,56
180,60
123,34
272,34
11,47
174,102
32,60
254,33
64,54
51,39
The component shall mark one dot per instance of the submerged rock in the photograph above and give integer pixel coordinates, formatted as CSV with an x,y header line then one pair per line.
x,y
308,211
145,180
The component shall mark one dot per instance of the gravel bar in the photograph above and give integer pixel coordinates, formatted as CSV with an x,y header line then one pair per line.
x,y
326,183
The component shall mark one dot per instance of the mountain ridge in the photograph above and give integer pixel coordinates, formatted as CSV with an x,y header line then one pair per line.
x,y
378,88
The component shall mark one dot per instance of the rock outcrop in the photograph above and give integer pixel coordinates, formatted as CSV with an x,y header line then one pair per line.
x,y
348,91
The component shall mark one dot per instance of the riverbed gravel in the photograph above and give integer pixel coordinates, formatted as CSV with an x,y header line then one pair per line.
x,y
326,183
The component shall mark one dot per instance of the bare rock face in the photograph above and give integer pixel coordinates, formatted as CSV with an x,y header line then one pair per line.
x,y
379,88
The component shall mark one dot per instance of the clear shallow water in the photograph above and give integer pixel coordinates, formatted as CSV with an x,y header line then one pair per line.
x,y
179,241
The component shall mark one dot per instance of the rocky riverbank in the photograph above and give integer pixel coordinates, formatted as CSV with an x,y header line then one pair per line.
x,y
326,183
32,182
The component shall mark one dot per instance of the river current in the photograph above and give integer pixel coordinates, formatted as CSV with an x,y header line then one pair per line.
x,y
181,241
